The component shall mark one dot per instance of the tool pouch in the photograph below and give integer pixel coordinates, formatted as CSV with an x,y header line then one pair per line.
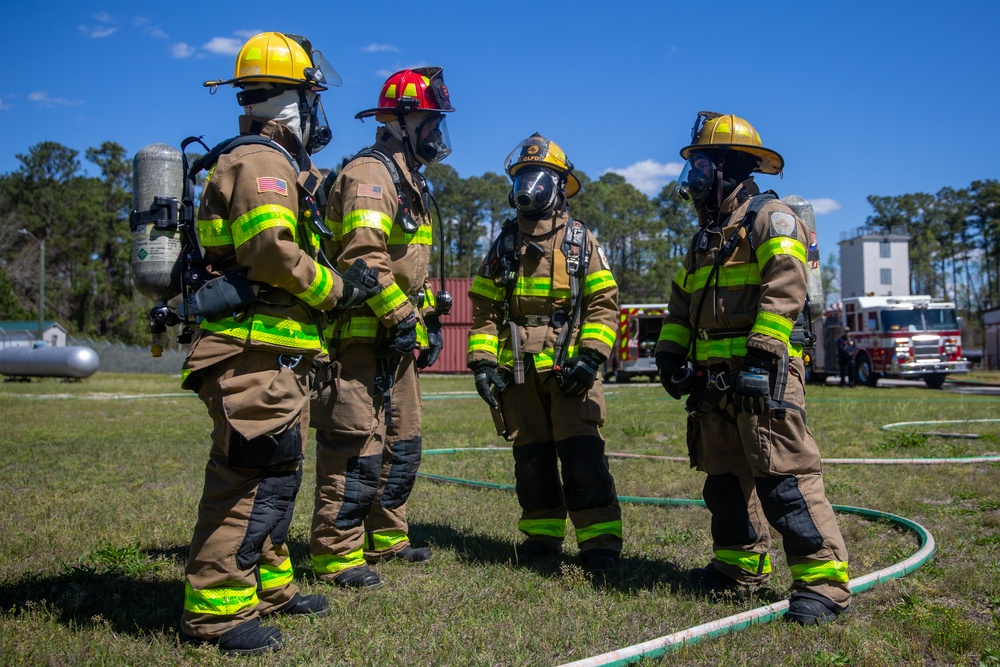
x,y
224,296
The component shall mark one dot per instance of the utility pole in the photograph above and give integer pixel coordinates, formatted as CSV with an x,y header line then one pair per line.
x,y
41,281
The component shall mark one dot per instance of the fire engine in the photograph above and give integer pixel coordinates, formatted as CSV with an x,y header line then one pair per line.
x,y
914,337
638,330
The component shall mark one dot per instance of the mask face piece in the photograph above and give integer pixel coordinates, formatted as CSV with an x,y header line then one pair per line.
x,y
697,179
431,142
317,132
534,192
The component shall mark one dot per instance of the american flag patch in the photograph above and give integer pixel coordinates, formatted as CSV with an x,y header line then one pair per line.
x,y
271,184
370,191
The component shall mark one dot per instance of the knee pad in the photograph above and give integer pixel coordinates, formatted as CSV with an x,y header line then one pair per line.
x,y
730,519
586,478
402,473
266,451
786,510
536,471
360,486
273,506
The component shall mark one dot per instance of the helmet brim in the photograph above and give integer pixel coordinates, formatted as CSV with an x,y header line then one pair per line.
x,y
771,162
279,80
368,113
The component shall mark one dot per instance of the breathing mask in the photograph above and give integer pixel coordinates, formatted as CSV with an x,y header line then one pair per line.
x,y
535,192
430,141
697,179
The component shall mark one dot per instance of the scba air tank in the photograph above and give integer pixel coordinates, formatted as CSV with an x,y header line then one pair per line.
x,y
157,188
802,208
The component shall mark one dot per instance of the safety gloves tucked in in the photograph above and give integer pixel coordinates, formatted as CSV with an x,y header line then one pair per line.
x,y
487,377
403,335
675,375
577,374
360,283
752,390
435,342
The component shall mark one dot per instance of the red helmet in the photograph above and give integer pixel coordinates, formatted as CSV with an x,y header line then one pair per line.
x,y
408,90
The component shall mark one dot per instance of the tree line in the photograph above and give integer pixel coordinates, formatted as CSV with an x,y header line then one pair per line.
x,y
83,219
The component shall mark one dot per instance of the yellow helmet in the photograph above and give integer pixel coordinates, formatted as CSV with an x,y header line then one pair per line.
x,y
538,151
274,57
716,130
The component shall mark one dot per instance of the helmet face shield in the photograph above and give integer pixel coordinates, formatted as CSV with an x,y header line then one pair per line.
x,y
321,72
431,141
534,192
320,133
696,179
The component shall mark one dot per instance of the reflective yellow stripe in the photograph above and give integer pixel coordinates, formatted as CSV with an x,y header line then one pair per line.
x,y
545,360
529,286
331,563
399,236
486,288
484,343
817,570
780,245
214,233
422,339
258,219
273,576
727,276
727,348
267,329
386,539
320,288
430,299
219,601
681,279
184,374
335,226
773,325
598,281
597,331
548,527
676,333
745,560
599,529
387,300
359,326
359,218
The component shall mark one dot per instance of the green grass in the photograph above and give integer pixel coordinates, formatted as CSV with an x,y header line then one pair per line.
x,y
99,491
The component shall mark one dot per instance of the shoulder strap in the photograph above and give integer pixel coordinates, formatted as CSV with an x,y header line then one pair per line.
x,y
370,151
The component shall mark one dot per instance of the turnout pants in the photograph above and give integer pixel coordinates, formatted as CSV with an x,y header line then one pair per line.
x,y
549,431
766,469
239,565
364,471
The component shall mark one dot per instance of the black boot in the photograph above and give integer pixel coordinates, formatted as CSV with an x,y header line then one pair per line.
x,y
710,578
358,577
599,561
414,554
531,551
250,638
807,608
305,605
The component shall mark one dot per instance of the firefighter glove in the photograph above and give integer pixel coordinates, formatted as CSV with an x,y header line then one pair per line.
x,y
435,342
676,375
577,374
487,377
752,391
403,336
360,283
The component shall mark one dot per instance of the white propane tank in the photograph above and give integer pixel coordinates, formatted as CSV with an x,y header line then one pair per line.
x,y
802,208
157,175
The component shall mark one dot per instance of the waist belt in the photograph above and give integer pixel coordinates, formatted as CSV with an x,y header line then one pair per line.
x,y
716,334
557,319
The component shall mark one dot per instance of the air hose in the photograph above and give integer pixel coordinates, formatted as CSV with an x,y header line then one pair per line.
x,y
660,646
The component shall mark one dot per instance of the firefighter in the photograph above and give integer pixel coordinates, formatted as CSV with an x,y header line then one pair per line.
x,y
545,311
730,343
846,349
367,413
248,363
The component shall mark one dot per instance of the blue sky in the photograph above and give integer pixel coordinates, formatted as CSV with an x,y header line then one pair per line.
x,y
860,98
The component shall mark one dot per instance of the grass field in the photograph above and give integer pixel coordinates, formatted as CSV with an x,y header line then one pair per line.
x,y
99,482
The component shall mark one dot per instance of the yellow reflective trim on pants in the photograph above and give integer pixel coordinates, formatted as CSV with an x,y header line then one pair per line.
x,y
548,527
387,300
676,333
780,245
545,360
331,563
219,601
320,288
820,570
213,233
484,343
258,219
773,325
599,529
399,236
597,331
267,329
274,576
597,281
745,560
359,218
486,288
385,540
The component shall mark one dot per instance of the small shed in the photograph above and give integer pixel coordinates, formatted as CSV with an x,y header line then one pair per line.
x,y
24,333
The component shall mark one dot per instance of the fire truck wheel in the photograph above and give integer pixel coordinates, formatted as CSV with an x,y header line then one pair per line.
x,y
934,380
864,375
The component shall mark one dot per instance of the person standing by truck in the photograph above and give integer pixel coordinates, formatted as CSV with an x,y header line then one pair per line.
x,y
846,347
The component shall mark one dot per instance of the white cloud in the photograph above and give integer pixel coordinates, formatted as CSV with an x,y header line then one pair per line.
x,y
649,176
105,28
46,100
374,48
3,107
228,46
147,27
182,50
824,205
